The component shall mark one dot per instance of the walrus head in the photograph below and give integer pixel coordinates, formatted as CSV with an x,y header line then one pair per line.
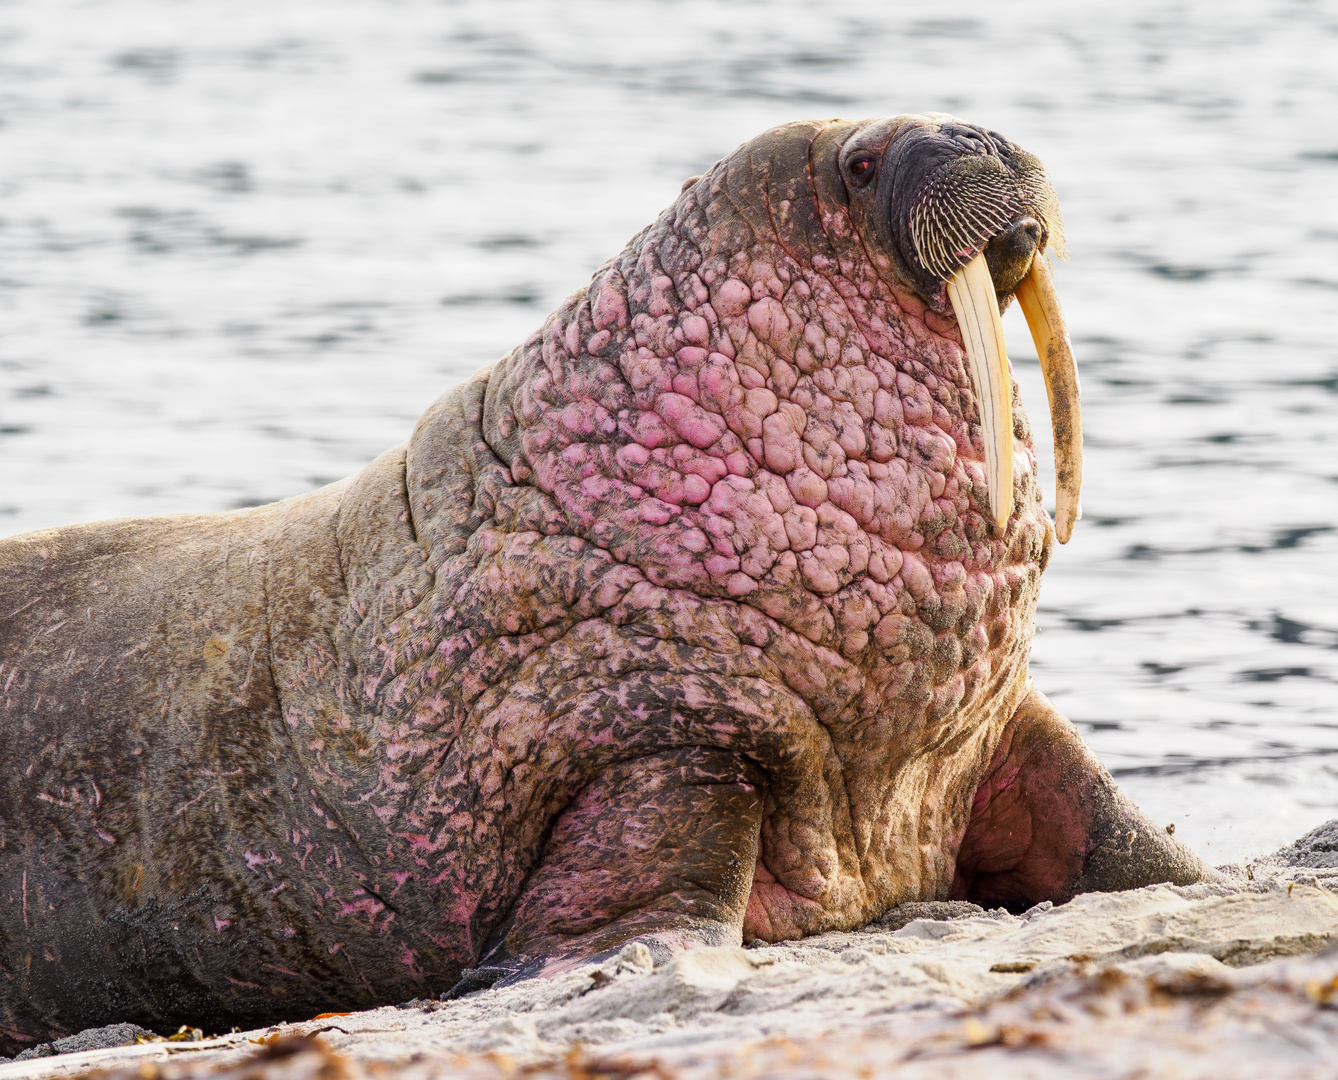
x,y
956,214
962,215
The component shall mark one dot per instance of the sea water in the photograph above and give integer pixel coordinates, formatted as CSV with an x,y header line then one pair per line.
x,y
244,244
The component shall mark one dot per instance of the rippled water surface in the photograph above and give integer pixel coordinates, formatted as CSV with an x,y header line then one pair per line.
x,y
244,244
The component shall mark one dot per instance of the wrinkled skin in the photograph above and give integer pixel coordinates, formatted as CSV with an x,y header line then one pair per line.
x,y
684,623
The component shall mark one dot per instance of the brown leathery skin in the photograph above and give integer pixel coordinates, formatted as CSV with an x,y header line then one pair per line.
x,y
685,621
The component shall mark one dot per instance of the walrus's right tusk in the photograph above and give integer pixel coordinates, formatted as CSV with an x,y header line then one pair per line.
x,y
1040,304
971,291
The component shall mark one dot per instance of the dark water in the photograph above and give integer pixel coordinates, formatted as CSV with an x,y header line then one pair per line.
x,y
244,244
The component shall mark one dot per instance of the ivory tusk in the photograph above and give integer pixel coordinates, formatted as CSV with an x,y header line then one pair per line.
x,y
1045,319
971,292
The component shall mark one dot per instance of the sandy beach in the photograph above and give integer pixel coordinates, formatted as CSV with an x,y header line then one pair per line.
x,y
1237,978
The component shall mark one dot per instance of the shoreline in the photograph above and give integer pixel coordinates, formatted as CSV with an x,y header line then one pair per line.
x,y
1230,978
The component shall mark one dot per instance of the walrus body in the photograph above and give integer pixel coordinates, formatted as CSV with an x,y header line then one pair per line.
x,y
685,622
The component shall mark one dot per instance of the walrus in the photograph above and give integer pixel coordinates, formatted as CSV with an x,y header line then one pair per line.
x,y
703,616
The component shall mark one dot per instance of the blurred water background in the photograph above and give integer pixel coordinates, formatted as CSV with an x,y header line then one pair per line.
x,y
244,244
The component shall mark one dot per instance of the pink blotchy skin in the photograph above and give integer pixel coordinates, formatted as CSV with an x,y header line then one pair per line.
x,y
685,622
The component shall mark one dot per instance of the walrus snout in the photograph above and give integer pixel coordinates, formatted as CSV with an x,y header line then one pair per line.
x,y
1009,253
951,191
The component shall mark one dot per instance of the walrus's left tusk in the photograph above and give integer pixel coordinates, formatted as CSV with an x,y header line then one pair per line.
x,y
1040,304
971,291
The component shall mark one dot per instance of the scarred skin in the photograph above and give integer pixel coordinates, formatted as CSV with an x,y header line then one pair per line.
x,y
685,622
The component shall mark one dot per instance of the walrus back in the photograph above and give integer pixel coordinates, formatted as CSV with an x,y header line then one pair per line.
x,y
93,616
136,674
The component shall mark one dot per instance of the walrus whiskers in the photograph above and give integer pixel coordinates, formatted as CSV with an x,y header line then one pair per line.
x,y
957,213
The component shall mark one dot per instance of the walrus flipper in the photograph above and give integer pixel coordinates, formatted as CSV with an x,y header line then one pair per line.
x,y
1049,822
659,849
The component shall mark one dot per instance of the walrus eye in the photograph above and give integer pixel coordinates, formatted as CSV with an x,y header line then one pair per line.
x,y
860,168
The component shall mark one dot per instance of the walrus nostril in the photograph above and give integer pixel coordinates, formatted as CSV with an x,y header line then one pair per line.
x,y
969,139
1010,252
